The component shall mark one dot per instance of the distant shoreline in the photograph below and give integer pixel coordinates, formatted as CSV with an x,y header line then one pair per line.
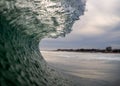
x,y
91,50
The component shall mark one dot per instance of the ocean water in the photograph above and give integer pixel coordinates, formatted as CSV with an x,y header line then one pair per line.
x,y
87,69
23,23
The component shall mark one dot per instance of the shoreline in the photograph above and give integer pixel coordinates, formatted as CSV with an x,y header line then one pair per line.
x,y
92,50
85,52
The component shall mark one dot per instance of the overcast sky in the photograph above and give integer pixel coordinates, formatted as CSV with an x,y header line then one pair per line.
x,y
98,28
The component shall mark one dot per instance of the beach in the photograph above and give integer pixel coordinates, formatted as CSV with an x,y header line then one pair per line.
x,y
86,69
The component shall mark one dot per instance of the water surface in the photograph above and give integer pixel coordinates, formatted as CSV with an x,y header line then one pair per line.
x,y
101,67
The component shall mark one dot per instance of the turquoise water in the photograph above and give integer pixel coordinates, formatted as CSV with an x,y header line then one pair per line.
x,y
23,23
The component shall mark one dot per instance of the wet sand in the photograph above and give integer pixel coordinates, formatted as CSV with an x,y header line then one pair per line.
x,y
86,69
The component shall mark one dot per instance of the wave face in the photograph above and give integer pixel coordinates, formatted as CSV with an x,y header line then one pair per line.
x,y
23,23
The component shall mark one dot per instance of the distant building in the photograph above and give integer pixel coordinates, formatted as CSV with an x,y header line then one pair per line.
x,y
109,49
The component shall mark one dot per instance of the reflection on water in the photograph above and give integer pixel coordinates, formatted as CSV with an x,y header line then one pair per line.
x,y
96,66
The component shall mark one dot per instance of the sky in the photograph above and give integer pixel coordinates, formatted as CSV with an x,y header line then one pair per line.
x,y
99,27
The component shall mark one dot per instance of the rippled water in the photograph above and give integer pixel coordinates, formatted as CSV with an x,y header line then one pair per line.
x,y
103,68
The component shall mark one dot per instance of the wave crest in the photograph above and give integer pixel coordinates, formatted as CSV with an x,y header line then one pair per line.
x,y
50,18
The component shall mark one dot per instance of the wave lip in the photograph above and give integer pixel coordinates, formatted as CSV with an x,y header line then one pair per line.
x,y
43,17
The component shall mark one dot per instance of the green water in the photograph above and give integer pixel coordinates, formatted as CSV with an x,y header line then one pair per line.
x,y
23,23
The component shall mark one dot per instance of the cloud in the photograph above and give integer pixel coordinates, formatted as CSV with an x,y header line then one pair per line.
x,y
99,19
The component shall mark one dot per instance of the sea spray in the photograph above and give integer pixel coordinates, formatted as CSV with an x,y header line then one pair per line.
x,y
23,23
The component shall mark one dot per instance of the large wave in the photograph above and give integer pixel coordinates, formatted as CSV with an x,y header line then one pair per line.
x,y
23,23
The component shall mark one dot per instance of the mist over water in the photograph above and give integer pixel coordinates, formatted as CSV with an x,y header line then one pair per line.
x,y
23,23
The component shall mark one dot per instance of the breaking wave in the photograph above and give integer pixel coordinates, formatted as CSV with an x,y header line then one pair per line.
x,y
23,23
